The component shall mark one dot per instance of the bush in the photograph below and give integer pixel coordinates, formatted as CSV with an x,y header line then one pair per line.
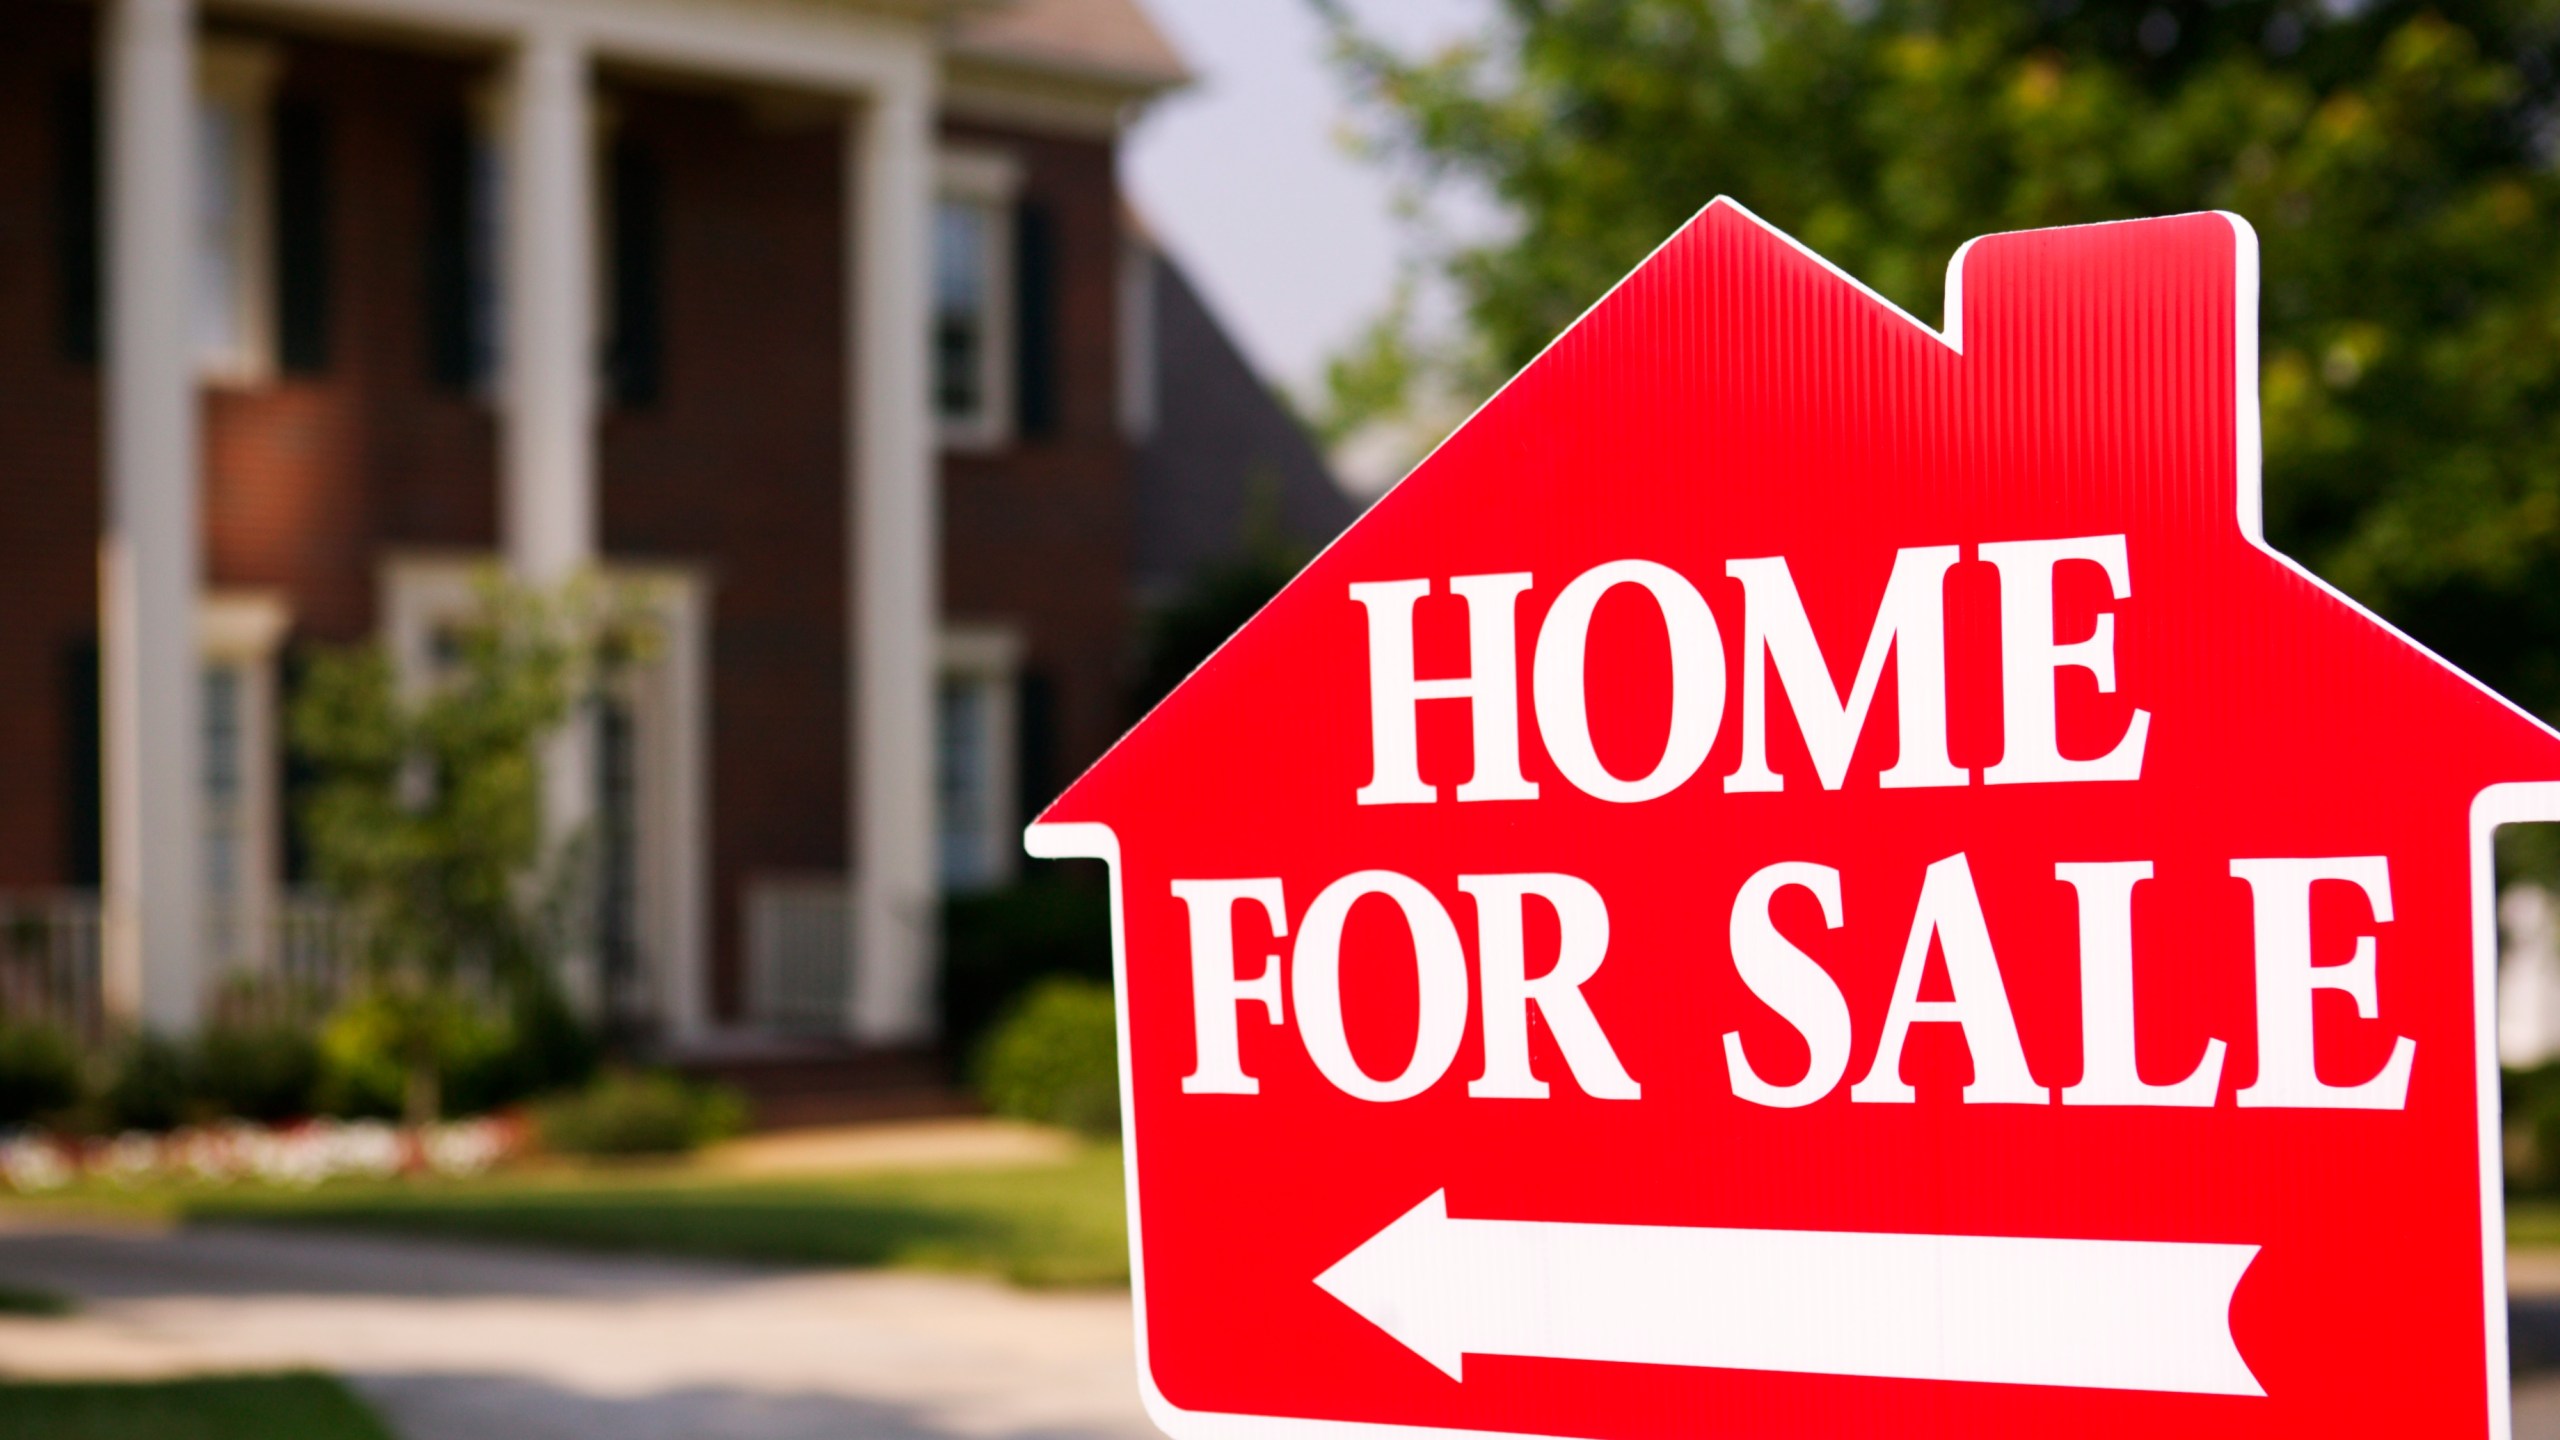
x,y
148,1086
485,1058
639,1114
538,1048
268,1071
1056,1059
997,945
39,1072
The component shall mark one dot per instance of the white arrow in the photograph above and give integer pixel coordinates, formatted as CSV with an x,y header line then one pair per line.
x,y
2103,1314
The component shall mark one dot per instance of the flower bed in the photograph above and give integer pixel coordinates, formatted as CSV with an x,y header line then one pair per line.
x,y
302,1154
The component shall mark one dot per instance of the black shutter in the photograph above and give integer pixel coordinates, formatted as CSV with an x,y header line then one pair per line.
x,y
1035,766
453,359
635,357
302,237
83,833
1035,291
78,228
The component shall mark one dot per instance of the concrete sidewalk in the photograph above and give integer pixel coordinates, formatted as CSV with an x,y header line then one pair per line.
x,y
464,1342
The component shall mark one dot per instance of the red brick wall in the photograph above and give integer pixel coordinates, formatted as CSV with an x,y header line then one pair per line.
x,y
308,479
49,456
1039,534
739,468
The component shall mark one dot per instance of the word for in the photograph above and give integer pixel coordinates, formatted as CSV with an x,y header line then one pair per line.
x,y
1783,977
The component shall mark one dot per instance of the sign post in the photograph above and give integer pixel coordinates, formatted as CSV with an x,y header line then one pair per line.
x,y
1808,875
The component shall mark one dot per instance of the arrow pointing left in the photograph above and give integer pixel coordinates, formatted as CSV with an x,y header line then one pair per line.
x,y
2102,1314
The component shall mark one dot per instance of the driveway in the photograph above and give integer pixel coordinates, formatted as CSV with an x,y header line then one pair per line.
x,y
463,1342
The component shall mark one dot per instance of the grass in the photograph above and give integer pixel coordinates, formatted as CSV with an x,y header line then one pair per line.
x,y
1057,1224
21,1301
2533,1221
246,1407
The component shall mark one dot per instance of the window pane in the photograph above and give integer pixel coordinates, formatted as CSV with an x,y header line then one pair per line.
x,y
222,734
223,766
218,258
962,236
965,773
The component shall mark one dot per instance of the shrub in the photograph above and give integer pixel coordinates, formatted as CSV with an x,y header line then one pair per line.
x,y
148,1087
622,1113
485,1058
1056,1059
268,1071
39,1072
538,1047
997,945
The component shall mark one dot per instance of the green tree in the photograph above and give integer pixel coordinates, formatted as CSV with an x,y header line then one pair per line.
x,y
425,818
2394,157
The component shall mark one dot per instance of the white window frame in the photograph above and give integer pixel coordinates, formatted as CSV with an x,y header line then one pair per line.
x,y
987,658
991,181
235,84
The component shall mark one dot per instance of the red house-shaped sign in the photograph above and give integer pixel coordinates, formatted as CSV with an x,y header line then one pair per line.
x,y
1809,876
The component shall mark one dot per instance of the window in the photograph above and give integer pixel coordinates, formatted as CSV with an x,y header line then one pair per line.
x,y
977,719
224,842
234,249
1137,337
239,633
973,309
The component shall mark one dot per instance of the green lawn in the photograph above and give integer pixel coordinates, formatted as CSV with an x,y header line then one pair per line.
x,y
19,1300
248,1407
2533,1221
1055,1224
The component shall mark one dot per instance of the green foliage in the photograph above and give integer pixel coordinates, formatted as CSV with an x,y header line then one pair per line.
x,y
623,1113
34,1304
536,1047
149,1086
483,1057
39,1072
265,1071
2392,156
2529,1105
230,1407
1056,1059
997,944
425,816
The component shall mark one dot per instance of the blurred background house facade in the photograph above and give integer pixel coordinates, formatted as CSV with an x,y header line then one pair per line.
x,y
823,322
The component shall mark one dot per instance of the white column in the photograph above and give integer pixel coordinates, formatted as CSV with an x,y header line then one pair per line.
x,y
547,505
149,564
895,571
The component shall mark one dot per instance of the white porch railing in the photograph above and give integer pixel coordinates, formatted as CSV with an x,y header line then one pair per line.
x,y
291,958
49,961
800,939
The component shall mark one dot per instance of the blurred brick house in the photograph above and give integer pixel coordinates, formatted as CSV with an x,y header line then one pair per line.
x,y
821,321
